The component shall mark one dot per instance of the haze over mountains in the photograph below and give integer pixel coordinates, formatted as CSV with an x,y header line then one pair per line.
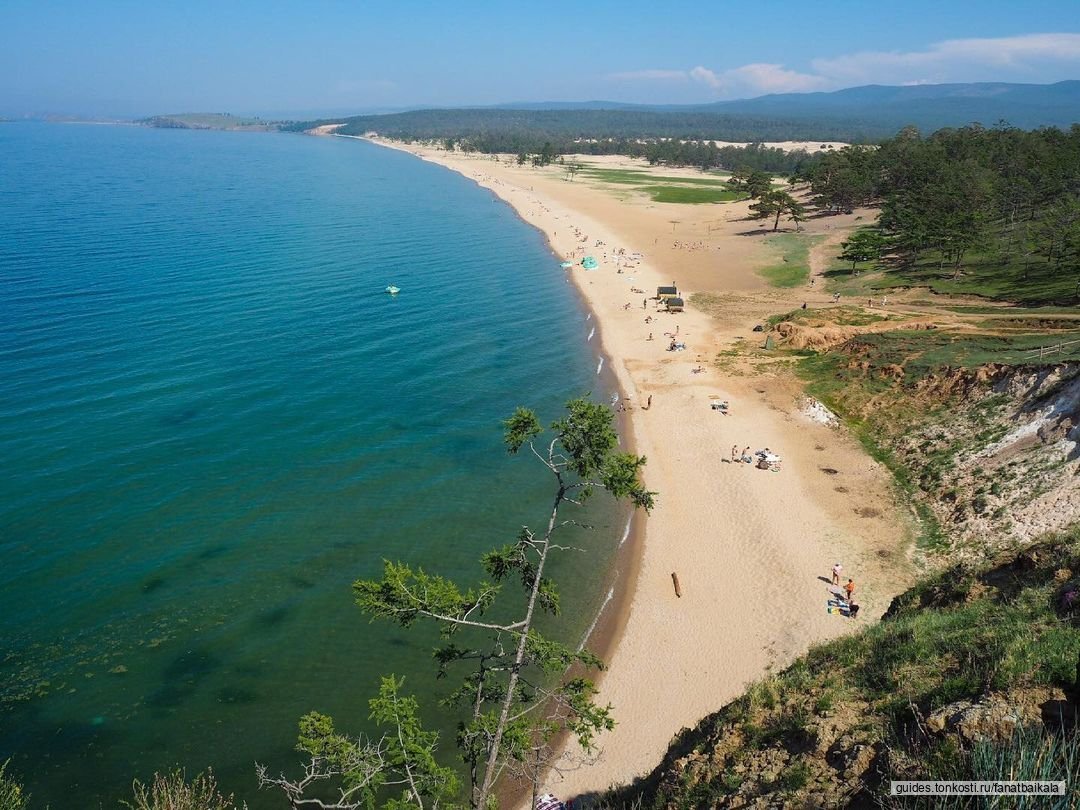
x,y
1022,105
857,114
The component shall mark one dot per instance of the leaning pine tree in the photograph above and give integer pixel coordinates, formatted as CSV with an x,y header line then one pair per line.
x,y
517,694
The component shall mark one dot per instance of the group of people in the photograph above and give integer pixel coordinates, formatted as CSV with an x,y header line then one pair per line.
x,y
846,606
763,459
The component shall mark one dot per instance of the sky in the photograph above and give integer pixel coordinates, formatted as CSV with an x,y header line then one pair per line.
x,y
273,58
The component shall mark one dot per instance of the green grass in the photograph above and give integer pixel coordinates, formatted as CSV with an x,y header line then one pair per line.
x,y
838,316
945,642
1004,311
691,196
667,189
1048,325
793,253
1032,284
923,351
640,176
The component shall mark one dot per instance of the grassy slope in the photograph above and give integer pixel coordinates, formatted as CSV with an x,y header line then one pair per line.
x,y
960,635
793,252
1022,281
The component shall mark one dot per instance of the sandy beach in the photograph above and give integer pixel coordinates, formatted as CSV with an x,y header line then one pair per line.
x,y
752,549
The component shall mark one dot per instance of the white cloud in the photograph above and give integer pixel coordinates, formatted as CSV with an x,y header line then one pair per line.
x,y
1029,56
762,77
756,79
954,60
706,76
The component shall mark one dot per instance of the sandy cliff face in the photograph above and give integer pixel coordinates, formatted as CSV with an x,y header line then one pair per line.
x,y
998,460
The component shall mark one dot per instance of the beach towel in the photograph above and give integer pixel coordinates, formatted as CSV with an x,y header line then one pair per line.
x,y
549,802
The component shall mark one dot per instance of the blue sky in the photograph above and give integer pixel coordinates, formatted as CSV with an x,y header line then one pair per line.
x,y
270,57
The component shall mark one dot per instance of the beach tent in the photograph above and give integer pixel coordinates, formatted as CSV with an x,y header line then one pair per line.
x,y
674,304
590,263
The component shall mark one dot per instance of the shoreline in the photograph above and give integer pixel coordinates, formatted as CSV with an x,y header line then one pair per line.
x,y
739,539
609,623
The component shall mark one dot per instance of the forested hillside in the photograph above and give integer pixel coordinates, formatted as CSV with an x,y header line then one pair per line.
x,y
495,130
855,115
990,204
927,106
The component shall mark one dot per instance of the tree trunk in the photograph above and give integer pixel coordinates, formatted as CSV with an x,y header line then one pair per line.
x,y
519,658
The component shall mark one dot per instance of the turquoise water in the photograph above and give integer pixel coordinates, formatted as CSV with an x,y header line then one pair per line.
x,y
213,420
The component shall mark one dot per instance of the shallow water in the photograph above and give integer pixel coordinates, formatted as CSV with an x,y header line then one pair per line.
x,y
214,420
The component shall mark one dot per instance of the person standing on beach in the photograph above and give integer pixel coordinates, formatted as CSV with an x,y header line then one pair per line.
x,y
836,569
734,453
849,589
644,303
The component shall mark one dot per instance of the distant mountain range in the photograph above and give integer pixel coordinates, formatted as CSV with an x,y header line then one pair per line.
x,y
857,114
927,106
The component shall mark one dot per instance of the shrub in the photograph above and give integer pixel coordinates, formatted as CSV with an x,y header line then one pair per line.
x,y
795,777
173,792
12,796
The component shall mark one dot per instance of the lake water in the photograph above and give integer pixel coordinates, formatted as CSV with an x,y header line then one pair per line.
x,y
213,420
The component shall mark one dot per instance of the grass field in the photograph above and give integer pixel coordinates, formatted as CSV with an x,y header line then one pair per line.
x,y
692,196
792,251
640,176
707,189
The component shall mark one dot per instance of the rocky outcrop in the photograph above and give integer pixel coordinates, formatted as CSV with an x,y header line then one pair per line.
x,y
994,716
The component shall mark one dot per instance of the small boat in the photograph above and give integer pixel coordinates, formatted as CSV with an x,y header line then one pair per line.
x,y
393,290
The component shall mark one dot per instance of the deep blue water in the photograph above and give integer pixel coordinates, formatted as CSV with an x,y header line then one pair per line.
x,y
213,420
